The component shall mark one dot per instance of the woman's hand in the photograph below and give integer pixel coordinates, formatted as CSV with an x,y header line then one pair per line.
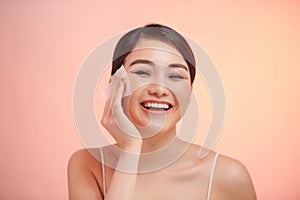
x,y
117,123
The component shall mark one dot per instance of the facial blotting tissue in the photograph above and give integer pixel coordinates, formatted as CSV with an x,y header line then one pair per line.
x,y
120,73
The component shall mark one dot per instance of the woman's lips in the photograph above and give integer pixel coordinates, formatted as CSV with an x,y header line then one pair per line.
x,y
156,107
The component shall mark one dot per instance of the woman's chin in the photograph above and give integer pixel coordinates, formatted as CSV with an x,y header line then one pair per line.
x,y
156,126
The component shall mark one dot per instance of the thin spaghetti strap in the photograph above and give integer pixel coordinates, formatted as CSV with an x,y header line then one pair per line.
x,y
103,172
212,175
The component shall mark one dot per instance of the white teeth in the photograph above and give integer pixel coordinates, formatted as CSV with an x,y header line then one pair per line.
x,y
156,105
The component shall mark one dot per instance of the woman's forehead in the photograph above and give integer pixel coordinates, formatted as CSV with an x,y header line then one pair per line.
x,y
148,44
155,51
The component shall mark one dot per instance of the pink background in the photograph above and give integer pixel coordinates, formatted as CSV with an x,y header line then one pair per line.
x,y
255,46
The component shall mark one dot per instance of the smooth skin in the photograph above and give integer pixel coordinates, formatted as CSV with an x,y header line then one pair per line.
x,y
186,178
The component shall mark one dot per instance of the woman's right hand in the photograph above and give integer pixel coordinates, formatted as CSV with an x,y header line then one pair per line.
x,y
117,123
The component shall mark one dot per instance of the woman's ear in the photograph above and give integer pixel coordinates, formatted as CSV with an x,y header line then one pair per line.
x,y
109,80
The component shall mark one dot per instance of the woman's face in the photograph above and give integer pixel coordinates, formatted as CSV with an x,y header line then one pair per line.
x,y
160,83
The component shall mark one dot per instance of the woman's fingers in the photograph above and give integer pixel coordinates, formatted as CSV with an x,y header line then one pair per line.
x,y
116,106
118,113
115,120
118,94
107,116
107,107
114,101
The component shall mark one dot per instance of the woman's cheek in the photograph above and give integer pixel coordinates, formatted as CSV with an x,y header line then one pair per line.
x,y
137,82
182,94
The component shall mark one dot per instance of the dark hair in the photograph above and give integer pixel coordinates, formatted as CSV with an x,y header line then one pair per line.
x,y
153,31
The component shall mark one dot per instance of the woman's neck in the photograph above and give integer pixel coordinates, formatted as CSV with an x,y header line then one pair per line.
x,y
159,140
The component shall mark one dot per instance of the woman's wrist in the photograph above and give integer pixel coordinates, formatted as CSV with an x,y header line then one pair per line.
x,y
131,146
134,147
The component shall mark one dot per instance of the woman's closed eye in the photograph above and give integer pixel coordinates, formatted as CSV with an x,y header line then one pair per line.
x,y
177,77
142,73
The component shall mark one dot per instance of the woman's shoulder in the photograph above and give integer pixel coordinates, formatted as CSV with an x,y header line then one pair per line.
x,y
232,179
83,175
232,166
84,157
230,176
84,162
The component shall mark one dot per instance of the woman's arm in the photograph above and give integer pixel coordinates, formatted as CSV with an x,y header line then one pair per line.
x,y
123,184
82,183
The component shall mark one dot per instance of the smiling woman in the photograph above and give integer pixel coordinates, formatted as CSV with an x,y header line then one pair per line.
x,y
161,69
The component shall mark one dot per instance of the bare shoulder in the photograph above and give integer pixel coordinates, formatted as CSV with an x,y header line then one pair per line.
x,y
232,179
83,175
83,157
84,161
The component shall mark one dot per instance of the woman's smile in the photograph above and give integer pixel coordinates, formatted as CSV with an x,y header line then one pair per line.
x,y
156,106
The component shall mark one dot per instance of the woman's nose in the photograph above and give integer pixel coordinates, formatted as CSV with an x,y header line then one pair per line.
x,y
158,90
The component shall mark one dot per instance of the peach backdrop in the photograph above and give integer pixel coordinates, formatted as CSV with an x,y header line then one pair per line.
x,y
254,44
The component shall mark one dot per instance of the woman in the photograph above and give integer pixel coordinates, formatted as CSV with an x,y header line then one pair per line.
x,y
148,160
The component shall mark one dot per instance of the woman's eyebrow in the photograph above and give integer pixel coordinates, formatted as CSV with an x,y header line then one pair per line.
x,y
178,65
152,64
142,61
